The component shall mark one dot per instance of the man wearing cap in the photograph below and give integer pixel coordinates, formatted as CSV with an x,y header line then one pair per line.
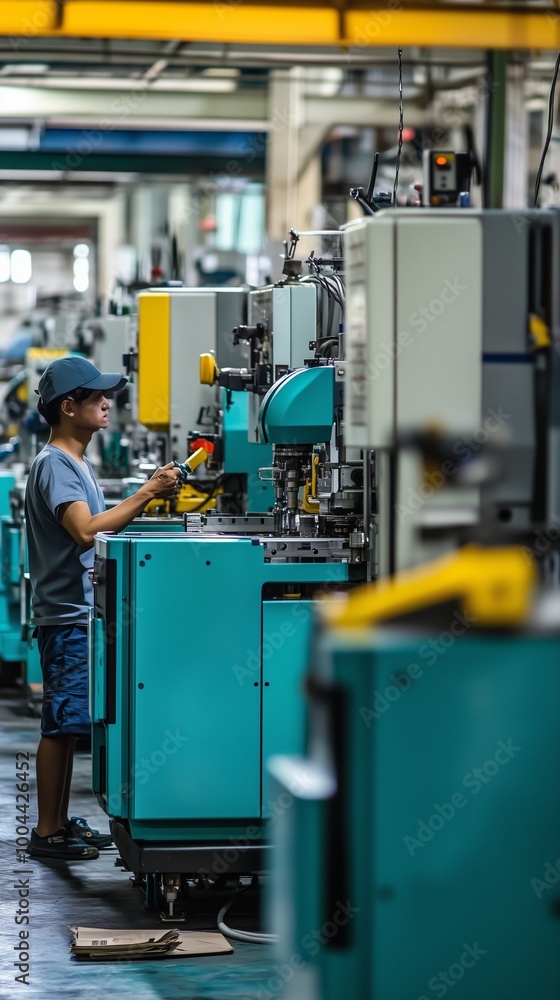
x,y
64,510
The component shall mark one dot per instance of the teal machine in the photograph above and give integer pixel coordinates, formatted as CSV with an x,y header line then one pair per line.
x,y
420,856
199,644
33,676
12,649
195,685
239,456
185,716
16,642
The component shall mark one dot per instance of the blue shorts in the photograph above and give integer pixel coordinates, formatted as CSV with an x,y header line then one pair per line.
x,y
64,663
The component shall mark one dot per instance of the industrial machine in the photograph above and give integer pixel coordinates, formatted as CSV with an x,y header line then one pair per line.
x,y
178,412
420,848
26,430
450,377
419,852
179,761
108,339
32,676
12,649
289,350
19,657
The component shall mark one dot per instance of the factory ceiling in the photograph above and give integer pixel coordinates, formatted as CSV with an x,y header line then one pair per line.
x,y
173,83
74,64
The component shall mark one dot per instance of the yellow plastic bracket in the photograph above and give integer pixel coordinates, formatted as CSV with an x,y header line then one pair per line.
x,y
309,502
209,370
190,499
314,464
494,585
539,332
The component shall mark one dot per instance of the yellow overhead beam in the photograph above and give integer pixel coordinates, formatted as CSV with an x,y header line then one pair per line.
x,y
342,23
476,27
215,21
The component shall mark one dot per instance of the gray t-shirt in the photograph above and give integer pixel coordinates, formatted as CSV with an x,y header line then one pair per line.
x,y
58,566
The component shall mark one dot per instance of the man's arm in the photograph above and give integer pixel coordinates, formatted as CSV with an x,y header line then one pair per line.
x,y
83,525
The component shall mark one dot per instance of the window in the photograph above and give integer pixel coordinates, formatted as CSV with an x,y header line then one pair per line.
x,y
20,266
81,267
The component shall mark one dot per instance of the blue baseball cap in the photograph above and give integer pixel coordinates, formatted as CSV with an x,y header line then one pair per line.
x,y
66,374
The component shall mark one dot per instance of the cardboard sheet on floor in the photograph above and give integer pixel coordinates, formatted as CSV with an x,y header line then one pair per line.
x,y
106,944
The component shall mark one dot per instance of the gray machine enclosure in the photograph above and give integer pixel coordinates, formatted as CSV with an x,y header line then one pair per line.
x,y
481,380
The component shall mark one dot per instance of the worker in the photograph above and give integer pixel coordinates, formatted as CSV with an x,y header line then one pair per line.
x,y
64,510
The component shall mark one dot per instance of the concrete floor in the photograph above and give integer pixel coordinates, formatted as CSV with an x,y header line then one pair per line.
x,y
95,894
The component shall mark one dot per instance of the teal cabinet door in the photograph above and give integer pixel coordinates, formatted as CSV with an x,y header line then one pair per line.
x,y
195,714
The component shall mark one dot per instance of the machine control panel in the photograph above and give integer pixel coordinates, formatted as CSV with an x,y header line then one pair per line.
x,y
446,177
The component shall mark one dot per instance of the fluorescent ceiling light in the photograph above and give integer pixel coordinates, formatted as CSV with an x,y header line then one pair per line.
x,y
221,72
24,69
175,124
196,85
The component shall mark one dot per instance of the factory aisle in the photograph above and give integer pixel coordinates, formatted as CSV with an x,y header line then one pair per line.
x,y
94,894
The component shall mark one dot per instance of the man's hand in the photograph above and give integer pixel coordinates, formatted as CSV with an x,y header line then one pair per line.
x,y
164,482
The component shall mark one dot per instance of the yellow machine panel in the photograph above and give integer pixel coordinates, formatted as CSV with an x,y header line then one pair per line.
x,y
188,500
153,360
